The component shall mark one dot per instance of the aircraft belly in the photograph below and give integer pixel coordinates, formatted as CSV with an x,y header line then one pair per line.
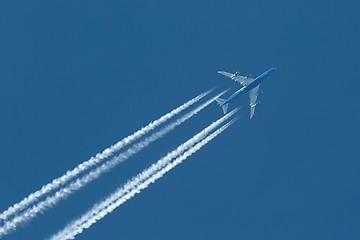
x,y
235,95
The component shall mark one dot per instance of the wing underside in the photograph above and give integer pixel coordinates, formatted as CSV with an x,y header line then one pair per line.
x,y
253,94
244,81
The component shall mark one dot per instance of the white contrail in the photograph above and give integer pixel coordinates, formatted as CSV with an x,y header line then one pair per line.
x,y
64,192
158,165
33,197
99,211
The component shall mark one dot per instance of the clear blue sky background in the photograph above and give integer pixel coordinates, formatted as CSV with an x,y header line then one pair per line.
x,y
77,76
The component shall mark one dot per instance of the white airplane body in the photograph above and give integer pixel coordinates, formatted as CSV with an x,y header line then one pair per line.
x,y
248,84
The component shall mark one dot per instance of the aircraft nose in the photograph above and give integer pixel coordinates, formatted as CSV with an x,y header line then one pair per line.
x,y
272,70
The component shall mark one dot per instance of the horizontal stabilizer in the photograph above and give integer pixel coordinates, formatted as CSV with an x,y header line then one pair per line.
x,y
221,102
225,107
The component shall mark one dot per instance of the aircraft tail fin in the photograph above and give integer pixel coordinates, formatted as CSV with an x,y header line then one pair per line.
x,y
221,102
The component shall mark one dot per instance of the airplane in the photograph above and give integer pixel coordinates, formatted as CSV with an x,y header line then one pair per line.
x,y
248,84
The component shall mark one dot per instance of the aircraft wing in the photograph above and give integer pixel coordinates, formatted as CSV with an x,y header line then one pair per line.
x,y
253,93
244,81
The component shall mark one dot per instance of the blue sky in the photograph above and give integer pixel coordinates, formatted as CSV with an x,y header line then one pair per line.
x,y
76,77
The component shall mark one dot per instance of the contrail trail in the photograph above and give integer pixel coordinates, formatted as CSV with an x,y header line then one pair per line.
x,y
62,193
33,197
101,210
159,164
162,162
